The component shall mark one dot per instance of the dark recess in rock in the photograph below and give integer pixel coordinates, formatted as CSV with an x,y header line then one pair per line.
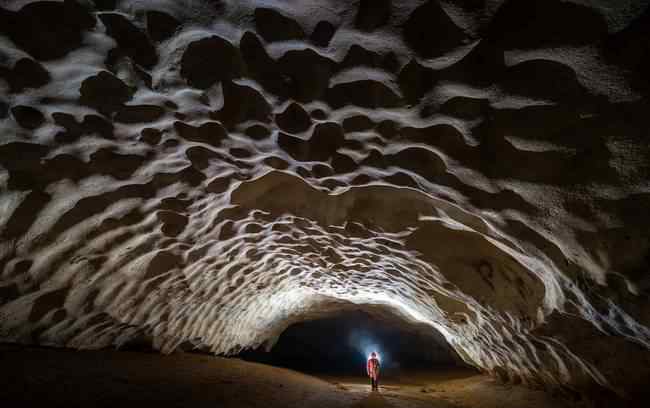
x,y
274,26
420,161
23,161
60,26
121,166
326,138
318,114
105,4
415,80
240,153
390,62
210,60
104,92
242,103
150,136
342,163
46,302
372,14
466,108
323,33
276,163
8,293
296,147
387,128
26,73
258,132
74,130
309,73
352,144
630,48
428,22
139,113
375,159
161,26
27,117
211,133
482,66
427,110
200,156
173,223
357,123
262,67
97,124
303,172
359,56
294,119
365,93
322,170
544,79
218,185
162,262
144,76
19,222
171,143
130,40
545,23
4,109
173,106
402,179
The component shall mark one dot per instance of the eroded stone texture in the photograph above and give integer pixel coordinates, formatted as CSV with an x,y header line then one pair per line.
x,y
207,175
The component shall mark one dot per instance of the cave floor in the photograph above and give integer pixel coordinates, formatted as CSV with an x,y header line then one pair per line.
x,y
65,378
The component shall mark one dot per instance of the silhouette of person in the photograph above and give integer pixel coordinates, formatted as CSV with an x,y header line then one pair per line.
x,y
372,368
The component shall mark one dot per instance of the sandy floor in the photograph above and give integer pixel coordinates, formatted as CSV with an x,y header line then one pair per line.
x,y
457,388
62,378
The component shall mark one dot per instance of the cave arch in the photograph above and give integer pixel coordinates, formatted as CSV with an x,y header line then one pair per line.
x,y
339,343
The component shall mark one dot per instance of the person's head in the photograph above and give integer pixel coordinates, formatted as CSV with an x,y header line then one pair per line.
x,y
373,355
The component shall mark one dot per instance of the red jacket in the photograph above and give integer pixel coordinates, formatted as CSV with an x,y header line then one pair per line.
x,y
373,367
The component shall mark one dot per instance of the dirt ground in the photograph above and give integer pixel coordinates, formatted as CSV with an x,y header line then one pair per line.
x,y
455,388
56,378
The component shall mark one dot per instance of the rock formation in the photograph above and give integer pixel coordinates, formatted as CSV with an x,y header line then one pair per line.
x,y
205,173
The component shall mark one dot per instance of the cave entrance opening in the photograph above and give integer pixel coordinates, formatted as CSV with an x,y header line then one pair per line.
x,y
339,346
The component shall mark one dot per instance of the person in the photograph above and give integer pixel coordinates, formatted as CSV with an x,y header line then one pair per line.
x,y
372,369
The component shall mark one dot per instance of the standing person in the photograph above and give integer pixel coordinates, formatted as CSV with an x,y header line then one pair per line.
x,y
372,368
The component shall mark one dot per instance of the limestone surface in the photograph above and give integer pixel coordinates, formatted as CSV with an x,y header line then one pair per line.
x,y
202,174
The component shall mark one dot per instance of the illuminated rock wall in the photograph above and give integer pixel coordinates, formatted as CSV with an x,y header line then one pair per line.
x,y
206,173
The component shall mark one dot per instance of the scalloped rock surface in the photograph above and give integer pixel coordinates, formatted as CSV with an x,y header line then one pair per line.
x,y
205,173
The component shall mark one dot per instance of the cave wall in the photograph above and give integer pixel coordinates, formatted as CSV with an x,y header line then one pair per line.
x,y
208,172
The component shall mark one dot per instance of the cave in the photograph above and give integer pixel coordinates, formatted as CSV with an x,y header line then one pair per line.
x,y
217,202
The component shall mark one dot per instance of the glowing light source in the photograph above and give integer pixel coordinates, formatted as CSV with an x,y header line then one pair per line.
x,y
377,355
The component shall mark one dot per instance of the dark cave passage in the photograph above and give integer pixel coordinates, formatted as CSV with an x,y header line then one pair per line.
x,y
341,344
